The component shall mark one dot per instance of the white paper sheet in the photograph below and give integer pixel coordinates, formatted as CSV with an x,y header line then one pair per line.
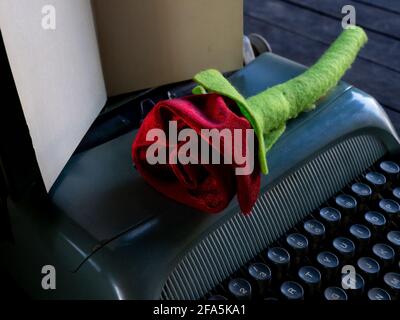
x,y
58,75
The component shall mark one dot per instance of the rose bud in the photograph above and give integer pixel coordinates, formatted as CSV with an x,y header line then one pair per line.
x,y
199,182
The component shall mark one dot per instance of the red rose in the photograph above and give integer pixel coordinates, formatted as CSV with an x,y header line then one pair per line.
x,y
206,187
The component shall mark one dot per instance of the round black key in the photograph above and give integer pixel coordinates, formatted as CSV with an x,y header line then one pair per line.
x,y
217,297
261,274
361,234
311,278
335,294
392,280
391,169
353,284
378,294
384,253
278,256
298,243
329,263
360,231
376,179
315,230
292,290
391,208
396,192
375,220
369,267
280,259
345,247
260,271
362,191
240,289
331,217
328,260
394,238
346,203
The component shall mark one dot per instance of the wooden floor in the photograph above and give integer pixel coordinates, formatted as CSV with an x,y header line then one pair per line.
x,y
302,29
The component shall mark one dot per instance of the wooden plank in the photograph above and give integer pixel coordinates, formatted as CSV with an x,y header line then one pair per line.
x,y
380,49
378,20
389,5
380,82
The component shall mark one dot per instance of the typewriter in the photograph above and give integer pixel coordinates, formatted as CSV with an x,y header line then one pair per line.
x,y
326,225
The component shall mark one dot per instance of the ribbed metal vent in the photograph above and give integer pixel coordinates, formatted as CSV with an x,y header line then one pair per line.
x,y
241,238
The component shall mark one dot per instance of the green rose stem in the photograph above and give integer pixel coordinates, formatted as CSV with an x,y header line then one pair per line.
x,y
269,110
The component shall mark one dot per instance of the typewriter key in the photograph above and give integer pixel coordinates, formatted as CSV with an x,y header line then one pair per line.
x,y
329,264
394,238
390,169
384,253
292,290
335,294
331,217
260,273
376,180
392,280
378,294
345,247
369,268
375,220
240,289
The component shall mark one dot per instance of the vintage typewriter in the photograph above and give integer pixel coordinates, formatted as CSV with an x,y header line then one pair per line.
x,y
326,225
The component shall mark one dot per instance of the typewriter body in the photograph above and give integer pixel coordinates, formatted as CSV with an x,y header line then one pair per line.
x,y
111,236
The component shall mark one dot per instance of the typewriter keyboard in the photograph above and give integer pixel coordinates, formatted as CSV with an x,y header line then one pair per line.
x,y
348,249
